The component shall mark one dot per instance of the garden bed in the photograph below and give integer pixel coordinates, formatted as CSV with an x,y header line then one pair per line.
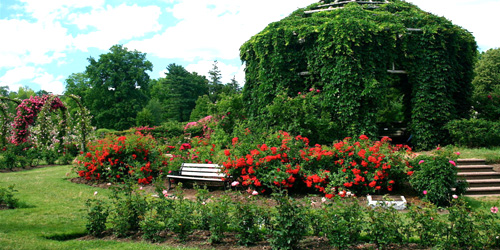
x,y
199,240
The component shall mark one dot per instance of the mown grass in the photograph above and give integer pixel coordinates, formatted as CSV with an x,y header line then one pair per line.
x,y
53,213
491,155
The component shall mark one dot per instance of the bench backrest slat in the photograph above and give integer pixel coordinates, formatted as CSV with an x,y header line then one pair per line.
x,y
206,170
187,173
200,165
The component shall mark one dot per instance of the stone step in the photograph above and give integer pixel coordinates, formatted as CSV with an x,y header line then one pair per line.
x,y
474,168
482,190
479,175
471,162
484,183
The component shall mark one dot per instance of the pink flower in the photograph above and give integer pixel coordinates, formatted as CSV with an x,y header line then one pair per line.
x,y
420,162
494,210
425,192
255,193
438,148
455,196
165,193
458,153
311,89
235,183
453,163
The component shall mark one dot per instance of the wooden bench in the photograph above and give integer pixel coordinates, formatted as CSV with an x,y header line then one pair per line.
x,y
199,172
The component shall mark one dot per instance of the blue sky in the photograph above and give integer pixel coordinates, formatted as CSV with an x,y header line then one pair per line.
x,y
43,42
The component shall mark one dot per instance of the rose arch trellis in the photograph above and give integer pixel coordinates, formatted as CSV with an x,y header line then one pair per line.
x,y
354,51
28,110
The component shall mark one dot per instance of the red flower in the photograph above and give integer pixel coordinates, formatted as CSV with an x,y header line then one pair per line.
x,y
227,153
329,196
363,137
372,184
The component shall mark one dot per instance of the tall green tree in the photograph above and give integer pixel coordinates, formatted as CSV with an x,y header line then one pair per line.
x,y
118,87
214,83
486,83
178,92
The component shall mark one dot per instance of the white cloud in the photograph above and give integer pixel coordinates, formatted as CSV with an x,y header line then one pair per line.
x,y
115,24
51,10
37,43
214,28
478,16
50,83
14,79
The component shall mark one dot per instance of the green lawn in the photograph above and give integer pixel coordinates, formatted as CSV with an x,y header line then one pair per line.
x,y
54,211
491,155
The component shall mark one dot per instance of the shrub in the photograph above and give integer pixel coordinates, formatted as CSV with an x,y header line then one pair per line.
x,y
97,215
427,224
435,175
282,161
114,158
129,209
474,132
342,222
383,226
287,225
247,223
7,198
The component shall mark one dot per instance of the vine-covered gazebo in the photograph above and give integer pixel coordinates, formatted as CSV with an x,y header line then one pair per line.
x,y
357,52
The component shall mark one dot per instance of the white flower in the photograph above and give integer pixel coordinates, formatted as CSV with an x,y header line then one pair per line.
x,y
109,184
341,193
323,199
95,193
455,196
255,193
235,183
348,193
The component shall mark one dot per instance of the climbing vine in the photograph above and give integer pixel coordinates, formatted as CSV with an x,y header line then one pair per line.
x,y
27,113
348,53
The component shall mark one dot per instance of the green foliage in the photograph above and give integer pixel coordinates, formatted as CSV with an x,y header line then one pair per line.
x,y
134,157
287,225
248,222
486,84
347,52
7,198
118,87
342,222
435,175
145,118
178,92
182,222
383,225
18,156
218,220
463,232
427,224
97,215
474,132
129,208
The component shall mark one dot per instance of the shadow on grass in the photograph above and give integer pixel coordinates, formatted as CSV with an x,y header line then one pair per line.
x,y
65,236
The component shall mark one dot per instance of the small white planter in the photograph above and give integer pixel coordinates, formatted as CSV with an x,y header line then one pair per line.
x,y
398,202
